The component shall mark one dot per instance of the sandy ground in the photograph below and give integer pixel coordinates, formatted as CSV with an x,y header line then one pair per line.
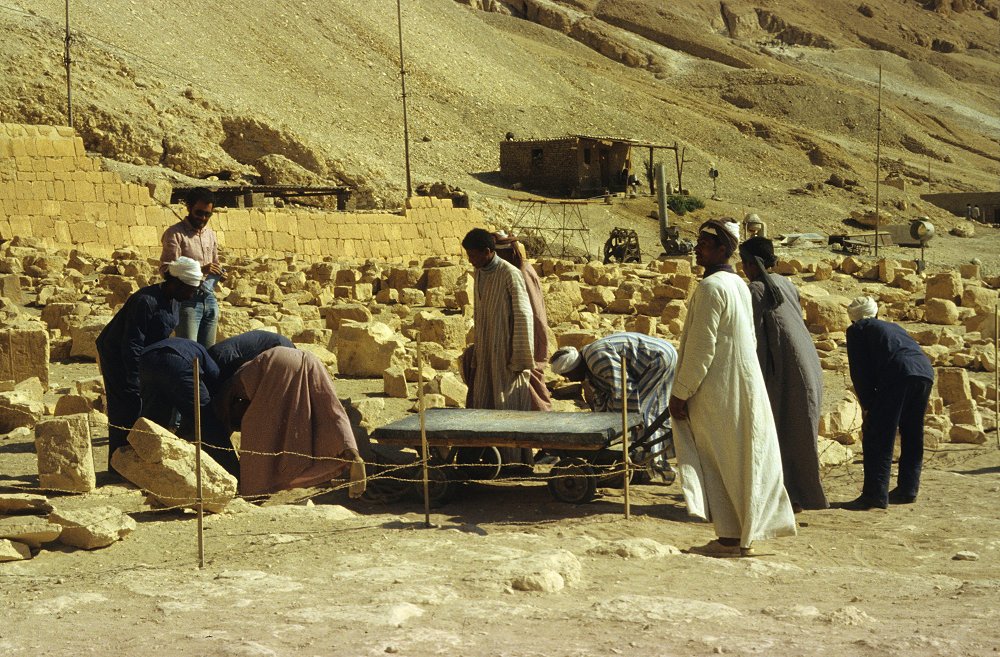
x,y
356,578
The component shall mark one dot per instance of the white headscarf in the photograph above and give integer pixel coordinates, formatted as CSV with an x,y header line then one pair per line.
x,y
565,360
733,229
861,308
187,270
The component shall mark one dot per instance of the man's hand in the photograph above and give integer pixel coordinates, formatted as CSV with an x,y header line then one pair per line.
x,y
213,268
678,408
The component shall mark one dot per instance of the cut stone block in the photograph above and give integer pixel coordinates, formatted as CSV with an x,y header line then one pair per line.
x,y
29,530
24,352
65,455
24,504
93,528
13,551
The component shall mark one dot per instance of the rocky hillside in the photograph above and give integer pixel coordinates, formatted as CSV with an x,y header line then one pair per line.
x,y
779,95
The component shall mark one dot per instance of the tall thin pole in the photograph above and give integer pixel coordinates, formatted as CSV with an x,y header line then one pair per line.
x,y
67,61
928,173
422,409
625,460
197,463
402,82
878,157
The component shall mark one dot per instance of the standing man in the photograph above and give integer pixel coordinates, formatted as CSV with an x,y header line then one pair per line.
x,y
892,378
504,331
192,238
650,364
727,444
150,315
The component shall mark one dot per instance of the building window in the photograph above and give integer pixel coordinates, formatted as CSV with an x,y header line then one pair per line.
x,y
586,156
536,156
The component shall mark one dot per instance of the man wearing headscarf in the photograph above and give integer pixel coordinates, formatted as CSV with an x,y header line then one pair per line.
x,y
232,353
148,316
892,378
724,433
792,372
649,363
511,250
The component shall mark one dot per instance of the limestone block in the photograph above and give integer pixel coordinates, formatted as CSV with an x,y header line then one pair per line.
x,y
368,349
394,383
599,295
24,504
453,389
965,412
24,352
843,423
65,455
946,285
941,311
562,301
387,295
93,528
969,271
72,404
953,385
444,277
576,338
981,299
343,312
163,464
10,288
449,331
324,355
437,298
411,296
674,266
18,409
29,530
84,336
641,324
13,551
313,335
966,433
403,277
826,314
432,400
832,453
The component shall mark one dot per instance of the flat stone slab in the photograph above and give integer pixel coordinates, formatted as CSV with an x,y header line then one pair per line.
x,y
476,427
24,504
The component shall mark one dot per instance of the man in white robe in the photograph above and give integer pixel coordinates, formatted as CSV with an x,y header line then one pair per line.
x,y
504,337
724,432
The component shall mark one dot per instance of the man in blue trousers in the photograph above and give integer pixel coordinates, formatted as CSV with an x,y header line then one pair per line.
x,y
892,378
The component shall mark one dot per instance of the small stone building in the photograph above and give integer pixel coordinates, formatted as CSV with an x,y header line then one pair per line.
x,y
959,203
577,165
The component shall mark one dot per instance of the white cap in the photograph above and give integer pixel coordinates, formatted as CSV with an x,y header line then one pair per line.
x,y
861,308
565,360
187,270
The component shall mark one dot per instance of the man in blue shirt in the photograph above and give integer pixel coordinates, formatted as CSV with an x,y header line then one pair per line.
x,y
148,316
232,353
892,378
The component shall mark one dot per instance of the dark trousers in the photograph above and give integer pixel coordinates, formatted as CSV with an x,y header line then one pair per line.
x,y
167,383
124,405
901,407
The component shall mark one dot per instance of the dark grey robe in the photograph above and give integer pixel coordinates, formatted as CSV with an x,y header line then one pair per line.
x,y
794,381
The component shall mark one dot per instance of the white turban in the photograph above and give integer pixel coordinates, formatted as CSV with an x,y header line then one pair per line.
x,y
187,270
861,308
565,360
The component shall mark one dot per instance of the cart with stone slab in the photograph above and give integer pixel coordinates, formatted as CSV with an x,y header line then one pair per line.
x,y
576,451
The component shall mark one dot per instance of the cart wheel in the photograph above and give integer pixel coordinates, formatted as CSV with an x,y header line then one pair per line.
x,y
574,481
478,463
440,487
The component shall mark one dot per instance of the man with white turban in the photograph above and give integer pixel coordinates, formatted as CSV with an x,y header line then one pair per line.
x,y
724,431
649,363
892,378
150,315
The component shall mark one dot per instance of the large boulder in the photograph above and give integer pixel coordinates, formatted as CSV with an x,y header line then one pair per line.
x,y
941,311
92,528
562,301
163,464
65,456
826,314
19,409
946,285
980,299
953,385
84,337
449,331
346,312
368,349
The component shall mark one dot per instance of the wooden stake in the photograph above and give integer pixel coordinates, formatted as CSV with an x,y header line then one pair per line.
x,y
878,158
423,428
625,460
197,463
996,371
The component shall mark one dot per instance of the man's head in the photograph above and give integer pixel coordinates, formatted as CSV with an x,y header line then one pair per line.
x,y
717,241
569,363
200,205
479,246
862,308
757,254
182,279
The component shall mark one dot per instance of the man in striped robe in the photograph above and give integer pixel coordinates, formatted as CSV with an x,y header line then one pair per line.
x,y
650,364
504,336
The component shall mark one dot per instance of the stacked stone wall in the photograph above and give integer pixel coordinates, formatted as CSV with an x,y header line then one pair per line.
x,y
51,189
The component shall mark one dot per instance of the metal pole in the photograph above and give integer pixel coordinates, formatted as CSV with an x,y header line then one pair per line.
x,y
878,157
996,370
423,428
197,463
402,81
67,61
625,459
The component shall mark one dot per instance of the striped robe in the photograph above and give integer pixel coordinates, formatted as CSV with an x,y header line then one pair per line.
x,y
650,363
504,338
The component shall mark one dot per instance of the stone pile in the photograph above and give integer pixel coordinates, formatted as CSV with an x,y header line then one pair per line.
x,y
29,522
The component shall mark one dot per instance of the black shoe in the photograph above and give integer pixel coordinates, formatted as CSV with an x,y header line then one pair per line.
x,y
896,497
862,503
